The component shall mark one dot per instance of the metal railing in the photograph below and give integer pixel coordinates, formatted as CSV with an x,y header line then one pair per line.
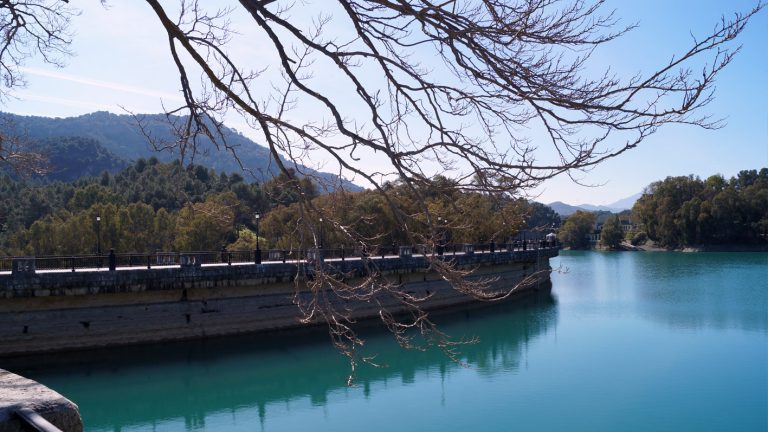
x,y
33,421
156,259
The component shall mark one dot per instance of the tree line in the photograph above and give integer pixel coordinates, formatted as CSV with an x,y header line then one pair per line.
x,y
151,206
688,211
147,206
685,211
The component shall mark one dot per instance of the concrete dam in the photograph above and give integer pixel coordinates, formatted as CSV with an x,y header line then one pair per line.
x,y
43,311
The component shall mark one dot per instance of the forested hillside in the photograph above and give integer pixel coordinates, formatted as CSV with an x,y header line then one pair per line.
x,y
70,158
122,139
152,205
138,208
688,211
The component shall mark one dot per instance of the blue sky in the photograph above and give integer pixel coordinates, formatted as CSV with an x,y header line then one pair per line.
x,y
121,60
741,99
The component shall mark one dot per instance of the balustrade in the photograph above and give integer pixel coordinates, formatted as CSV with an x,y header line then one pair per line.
x,y
30,265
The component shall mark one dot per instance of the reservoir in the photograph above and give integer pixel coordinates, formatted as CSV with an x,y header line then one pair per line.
x,y
626,341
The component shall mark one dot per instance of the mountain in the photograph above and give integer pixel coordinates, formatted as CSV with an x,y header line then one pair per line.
x,y
564,209
70,158
120,136
626,203
598,208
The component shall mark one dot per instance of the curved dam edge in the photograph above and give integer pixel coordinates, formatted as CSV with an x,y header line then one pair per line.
x,y
18,392
47,312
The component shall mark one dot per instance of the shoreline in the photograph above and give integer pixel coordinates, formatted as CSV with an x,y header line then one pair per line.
x,y
707,248
652,247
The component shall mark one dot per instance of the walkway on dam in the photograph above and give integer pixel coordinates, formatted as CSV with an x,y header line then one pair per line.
x,y
172,260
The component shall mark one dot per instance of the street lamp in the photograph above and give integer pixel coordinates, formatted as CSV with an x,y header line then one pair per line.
x,y
504,236
321,233
98,235
257,253
441,236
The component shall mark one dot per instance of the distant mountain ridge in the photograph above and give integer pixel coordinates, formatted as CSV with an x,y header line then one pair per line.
x,y
626,203
119,136
564,209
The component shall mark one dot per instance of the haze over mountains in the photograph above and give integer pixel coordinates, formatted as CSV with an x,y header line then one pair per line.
x,y
564,209
92,143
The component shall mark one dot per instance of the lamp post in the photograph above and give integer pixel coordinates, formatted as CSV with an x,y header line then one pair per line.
x,y
441,236
321,233
98,235
257,253
504,237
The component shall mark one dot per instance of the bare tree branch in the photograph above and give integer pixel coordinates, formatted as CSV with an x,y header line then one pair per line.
x,y
410,89
498,68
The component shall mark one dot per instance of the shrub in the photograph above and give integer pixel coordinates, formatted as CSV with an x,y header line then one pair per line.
x,y
639,238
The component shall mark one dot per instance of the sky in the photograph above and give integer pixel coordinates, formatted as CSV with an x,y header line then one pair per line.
x,y
121,62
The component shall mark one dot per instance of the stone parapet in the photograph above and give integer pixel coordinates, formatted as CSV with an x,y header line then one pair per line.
x,y
193,275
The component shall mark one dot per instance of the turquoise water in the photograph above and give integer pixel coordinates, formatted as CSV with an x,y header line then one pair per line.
x,y
625,341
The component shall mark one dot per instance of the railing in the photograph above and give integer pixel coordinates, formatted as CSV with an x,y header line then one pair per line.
x,y
33,421
157,259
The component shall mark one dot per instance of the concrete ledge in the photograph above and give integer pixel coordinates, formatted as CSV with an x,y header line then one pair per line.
x,y
19,392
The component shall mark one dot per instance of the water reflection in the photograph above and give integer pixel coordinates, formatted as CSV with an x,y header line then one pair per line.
x,y
245,377
682,290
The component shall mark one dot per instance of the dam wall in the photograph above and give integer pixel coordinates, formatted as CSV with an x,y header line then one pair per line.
x,y
61,310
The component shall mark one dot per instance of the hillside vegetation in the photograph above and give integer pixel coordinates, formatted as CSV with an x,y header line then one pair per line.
x,y
151,205
119,139
688,211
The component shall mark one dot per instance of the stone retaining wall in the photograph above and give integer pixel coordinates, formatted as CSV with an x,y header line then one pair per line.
x,y
44,312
